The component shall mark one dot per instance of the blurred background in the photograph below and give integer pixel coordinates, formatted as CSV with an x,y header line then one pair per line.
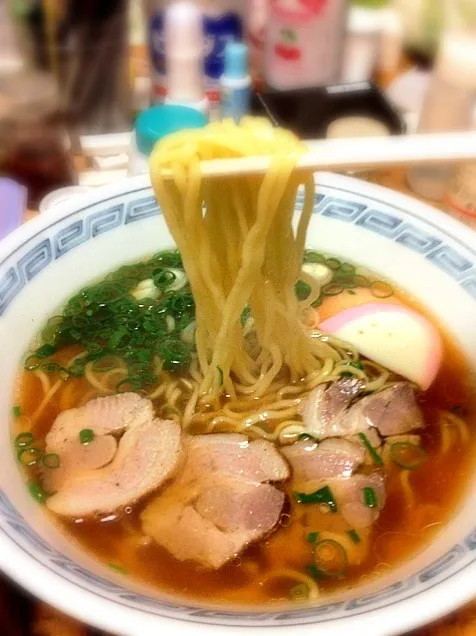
x,y
88,86
75,74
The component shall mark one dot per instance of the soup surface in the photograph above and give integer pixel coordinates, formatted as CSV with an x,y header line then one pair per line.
x,y
145,345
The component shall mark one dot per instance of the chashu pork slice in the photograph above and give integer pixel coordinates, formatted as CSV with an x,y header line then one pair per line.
x,y
323,409
220,502
107,418
130,456
393,411
333,457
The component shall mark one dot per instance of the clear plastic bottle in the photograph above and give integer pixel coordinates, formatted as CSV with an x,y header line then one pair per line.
x,y
448,107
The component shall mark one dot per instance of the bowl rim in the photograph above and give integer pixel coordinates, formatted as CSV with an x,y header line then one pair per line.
x,y
70,598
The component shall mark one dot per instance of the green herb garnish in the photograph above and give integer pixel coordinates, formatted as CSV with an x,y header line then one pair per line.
x,y
406,455
299,592
51,460
323,496
370,498
37,492
330,558
16,411
86,435
371,450
23,440
307,436
117,568
302,290
29,456
312,537
381,289
353,534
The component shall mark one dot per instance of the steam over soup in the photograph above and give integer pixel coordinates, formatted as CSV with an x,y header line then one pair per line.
x,y
244,421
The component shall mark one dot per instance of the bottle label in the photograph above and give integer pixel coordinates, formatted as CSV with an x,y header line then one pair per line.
x,y
235,102
304,46
218,30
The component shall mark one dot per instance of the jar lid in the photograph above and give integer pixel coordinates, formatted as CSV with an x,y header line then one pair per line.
x,y
29,94
159,121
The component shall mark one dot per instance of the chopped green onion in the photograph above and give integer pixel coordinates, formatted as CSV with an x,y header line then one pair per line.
x,y
302,290
377,460
330,558
175,354
32,363
86,435
318,302
381,289
362,281
106,363
406,455
332,289
128,385
23,440
306,436
163,278
245,314
16,411
370,498
45,351
333,263
310,256
355,365
51,460
347,268
312,537
313,571
220,376
353,534
323,496
117,568
29,456
37,492
299,592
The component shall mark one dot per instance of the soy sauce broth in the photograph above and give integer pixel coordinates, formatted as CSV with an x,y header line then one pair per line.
x,y
403,528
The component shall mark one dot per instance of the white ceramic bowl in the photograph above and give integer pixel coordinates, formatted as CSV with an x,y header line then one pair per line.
x,y
48,259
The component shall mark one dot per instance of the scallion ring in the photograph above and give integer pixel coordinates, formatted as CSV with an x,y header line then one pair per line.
x,y
51,460
381,289
29,456
22,440
362,281
333,263
347,268
299,593
332,289
406,455
330,558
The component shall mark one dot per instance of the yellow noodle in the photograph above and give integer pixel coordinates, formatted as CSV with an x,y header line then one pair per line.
x,y
44,379
45,400
407,489
249,254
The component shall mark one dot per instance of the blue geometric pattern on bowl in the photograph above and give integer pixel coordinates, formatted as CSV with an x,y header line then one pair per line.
x,y
382,218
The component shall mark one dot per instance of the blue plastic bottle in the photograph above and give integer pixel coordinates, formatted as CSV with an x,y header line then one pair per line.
x,y
235,82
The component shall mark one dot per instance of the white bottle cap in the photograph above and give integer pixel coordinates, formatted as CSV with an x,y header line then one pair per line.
x,y
184,49
456,62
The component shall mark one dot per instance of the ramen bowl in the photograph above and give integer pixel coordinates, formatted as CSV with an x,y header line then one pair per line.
x,y
44,262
